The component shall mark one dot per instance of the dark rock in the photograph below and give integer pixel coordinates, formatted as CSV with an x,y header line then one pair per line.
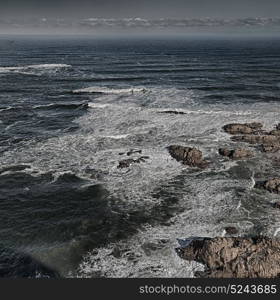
x,y
127,162
175,112
117,252
133,151
271,185
276,205
187,155
231,230
236,153
235,257
277,126
246,128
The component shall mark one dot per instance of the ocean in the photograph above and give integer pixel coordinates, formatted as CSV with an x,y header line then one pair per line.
x,y
71,109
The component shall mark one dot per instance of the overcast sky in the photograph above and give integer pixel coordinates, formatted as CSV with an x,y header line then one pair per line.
x,y
139,8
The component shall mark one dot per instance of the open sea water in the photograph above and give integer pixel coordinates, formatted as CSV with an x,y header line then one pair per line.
x,y
70,108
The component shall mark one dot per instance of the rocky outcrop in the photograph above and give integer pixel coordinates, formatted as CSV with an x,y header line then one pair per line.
x,y
246,128
187,155
127,162
234,257
271,185
257,139
236,153
272,148
231,230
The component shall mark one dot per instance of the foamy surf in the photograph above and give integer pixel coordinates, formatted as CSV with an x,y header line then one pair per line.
x,y
29,69
101,90
115,137
98,105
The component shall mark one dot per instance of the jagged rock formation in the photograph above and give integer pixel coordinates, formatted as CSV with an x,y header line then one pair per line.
x,y
187,155
257,139
247,128
234,257
236,153
271,185
272,148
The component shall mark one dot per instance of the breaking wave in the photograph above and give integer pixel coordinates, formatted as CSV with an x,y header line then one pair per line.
x,y
104,90
34,69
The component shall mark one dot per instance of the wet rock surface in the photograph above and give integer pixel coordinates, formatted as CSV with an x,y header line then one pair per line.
x,y
269,141
231,230
239,153
271,185
271,148
188,156
246,128
234,257
257,139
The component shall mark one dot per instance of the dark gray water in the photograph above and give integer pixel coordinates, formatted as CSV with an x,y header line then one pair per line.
x,y
69,107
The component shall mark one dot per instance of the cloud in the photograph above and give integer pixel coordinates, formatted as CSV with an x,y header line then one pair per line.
x,y
135,23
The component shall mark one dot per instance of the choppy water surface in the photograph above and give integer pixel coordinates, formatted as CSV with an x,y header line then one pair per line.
x,y
70,108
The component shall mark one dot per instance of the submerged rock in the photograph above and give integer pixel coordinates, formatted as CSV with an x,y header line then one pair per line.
x,y
187,155
127,162
174,112
246,128
133,151
236,153
271,185
235,257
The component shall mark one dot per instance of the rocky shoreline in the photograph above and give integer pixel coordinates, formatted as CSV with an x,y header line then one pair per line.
x,y
234,257
231,256
241,257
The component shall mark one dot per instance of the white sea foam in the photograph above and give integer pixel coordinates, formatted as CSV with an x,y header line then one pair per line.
x,y
104,90
208,198
33,69
98,105
118,136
